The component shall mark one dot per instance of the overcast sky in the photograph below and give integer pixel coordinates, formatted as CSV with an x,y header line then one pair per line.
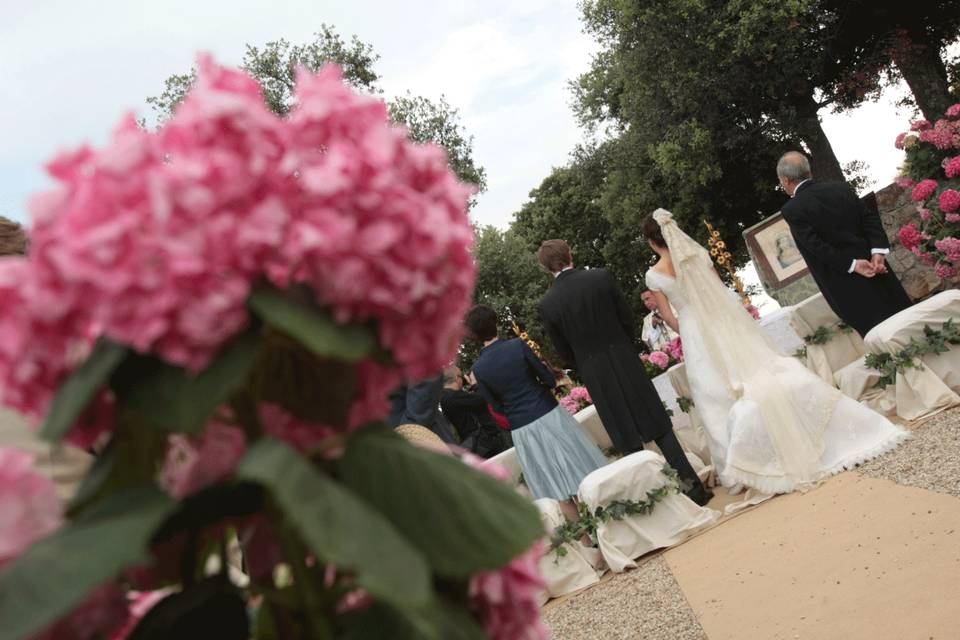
x,y
71,68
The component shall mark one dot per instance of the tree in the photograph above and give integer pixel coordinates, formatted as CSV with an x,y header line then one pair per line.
x,y
275,65
439,123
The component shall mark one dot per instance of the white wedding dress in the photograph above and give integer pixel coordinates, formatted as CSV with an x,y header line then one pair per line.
x,y
771,424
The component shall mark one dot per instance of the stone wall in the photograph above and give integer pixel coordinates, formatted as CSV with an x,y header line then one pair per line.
x,y
895,209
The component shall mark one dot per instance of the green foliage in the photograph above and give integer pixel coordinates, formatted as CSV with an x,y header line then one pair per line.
x,y
570,532
824,334
55,574
685,403
485,524
934,341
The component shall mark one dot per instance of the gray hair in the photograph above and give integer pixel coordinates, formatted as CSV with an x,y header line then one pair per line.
x,y
793,166
450,375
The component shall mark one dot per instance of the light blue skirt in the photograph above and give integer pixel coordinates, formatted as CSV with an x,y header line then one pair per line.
x,y
555,455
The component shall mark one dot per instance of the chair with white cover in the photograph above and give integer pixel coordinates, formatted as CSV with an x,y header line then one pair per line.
x,y
578,569
842,348
689,432
632,478
590,422
508,460
933,387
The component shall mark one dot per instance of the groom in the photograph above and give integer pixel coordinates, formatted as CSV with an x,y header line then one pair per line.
x,y
843,244
591,326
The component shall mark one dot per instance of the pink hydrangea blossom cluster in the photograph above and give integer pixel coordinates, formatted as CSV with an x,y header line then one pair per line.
x,y
569,404
898,143
29,506
944,271
924,213
945,134
156,240
952,217
904,182
923,190
508,600
910,237
581,394
660,359
950,247
920,125
577,399
949,200
675,349
196,462
951,166
953,111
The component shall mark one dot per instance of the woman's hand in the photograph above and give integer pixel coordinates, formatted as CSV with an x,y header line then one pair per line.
x,y
666,311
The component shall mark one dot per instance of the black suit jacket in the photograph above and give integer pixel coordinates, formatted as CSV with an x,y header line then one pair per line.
x,y
832,226
591,327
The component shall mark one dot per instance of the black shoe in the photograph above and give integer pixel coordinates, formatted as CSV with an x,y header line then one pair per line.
x,y
701,496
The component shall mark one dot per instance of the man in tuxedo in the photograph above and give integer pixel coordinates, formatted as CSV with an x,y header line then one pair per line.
x,y
591,327
844,245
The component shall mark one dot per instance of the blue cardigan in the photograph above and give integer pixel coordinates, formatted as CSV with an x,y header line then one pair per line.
x,y
514,381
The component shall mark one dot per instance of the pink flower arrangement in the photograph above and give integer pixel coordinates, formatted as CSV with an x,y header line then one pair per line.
x,y
29,506
904,182
951,167
944,271
581,394
569,404
953,111
156,240
194,463
952,217
923,190
898,143
508,600
910,237
576,400
949,200
675,349
944,135
660,359
920,125
950,247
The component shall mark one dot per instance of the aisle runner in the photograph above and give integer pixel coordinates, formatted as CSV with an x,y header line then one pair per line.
x,y
858,558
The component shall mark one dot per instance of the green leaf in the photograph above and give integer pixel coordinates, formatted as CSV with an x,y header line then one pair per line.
x,y
76,393
338,526
55,574
462,520
312,326
176,400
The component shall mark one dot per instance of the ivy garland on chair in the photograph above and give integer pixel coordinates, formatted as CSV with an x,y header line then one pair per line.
x,y
572,531
933,342
822,335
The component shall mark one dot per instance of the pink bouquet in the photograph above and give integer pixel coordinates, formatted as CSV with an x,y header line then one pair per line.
x,y
576,400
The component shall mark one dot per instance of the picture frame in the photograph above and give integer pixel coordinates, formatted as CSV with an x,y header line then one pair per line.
x,y
775,252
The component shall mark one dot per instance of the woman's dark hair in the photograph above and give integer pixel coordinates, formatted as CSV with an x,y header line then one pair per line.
x,y
651,231
481,322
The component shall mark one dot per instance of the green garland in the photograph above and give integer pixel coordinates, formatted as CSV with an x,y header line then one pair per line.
x,y
822,335
572,531
933,342
685,403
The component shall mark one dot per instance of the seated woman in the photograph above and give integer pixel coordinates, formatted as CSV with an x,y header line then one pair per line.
x,y
554,452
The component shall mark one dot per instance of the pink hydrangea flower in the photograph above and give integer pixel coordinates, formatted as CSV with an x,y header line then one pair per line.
x,y
898,143
923,190
952,217
193,463
950,247
924,213
157,239
951,166
508,600
581,394
945,134
571,405
944,271
29,506
301,435
660,359
949,200
910,236
920,125
675,348
904,182
953,111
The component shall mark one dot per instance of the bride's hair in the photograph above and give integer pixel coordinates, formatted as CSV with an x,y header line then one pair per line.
x,y
651,231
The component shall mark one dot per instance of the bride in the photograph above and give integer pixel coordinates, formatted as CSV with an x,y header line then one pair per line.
x,y
770,423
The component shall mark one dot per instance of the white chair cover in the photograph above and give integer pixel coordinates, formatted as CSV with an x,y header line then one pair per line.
x,y
578,569
590,423
922,392
689,432
859,382
508,460
630,478
842,349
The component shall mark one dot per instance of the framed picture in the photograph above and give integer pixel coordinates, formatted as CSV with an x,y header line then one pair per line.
x,y
775,251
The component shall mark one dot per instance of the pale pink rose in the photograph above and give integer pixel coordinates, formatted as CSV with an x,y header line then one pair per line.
x,y
29,506
196,462
660,359
508,600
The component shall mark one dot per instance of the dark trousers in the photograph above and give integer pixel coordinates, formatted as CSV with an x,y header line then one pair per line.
x,y
676,458
420,404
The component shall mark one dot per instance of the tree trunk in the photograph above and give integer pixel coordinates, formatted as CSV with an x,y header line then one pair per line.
x,y
823,161
926,75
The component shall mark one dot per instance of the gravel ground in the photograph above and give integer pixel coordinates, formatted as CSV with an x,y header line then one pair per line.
x,y
644,603
931,460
